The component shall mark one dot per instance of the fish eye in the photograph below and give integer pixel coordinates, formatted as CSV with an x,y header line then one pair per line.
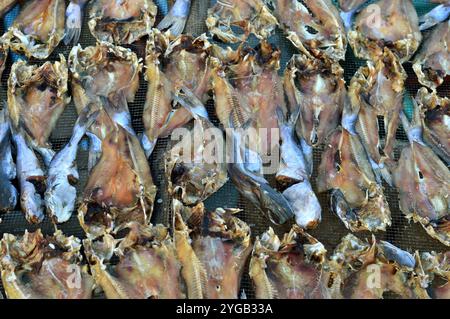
x,y
218,287
420,175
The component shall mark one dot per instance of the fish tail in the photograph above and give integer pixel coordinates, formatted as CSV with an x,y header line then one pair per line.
x,y
84,121
192,103
175,21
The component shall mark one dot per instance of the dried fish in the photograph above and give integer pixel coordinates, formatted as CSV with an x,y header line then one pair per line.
x,y
184,61
432,64
318,87
234,20
121,22
214,262
196,167
148,266
37,96
8,193
435,268
386,23
38,29
97,72
61,193
175,20
438,14
294,174
435,111
74,21
377,90
314,27
31,179
371,270
35,266
423,182
357,198
292,268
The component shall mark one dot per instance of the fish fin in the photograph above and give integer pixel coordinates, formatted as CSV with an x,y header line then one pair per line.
x,y
74,18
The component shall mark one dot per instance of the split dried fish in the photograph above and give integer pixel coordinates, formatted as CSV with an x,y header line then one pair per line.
x,y
436,269
74,21
175,20
318,87
372,270
357,198
121,22
377,90
102,71
171,64
147,265
61,193
8,193
195,166
35,266
432,64
214,253
254,187
435,112
120,187
248,86
314,27
292,268
386,23
423,182
37,96
233,21
38,29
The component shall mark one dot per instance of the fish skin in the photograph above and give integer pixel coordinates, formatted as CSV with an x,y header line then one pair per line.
x,y
38,29
121,22
35,266
291,268
318,88
31,179
175,20
61,193
353,260
296,18
36,95
423,183
8,193
251,16
431,64
398,30
148,267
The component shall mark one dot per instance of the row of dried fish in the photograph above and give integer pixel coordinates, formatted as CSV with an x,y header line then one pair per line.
x,y
317,29
42,25
206,258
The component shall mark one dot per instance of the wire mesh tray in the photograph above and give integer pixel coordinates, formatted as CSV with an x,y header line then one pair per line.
x,y
402,233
